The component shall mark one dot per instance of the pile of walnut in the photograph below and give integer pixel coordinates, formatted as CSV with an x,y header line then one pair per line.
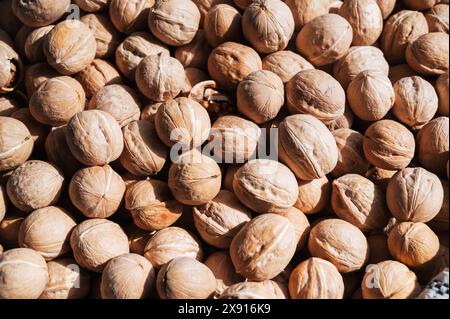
x,y
91,206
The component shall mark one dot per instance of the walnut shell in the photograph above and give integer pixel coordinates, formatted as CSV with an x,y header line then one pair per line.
x,y
151,205
67,280
365,18
386,7
265,186
324,39
389,145
441,87
24,274
37,74
313,195
138,238
194,179
399,71
390,280
356,60
39,13
9,229
57,100
360,202
35,184
433,145
11,68
380,176
370,95
437,18
174,22
219,220
182,121
419,5
160,77
92,5
304,11
175,280
133,49
118,100
128,276
343,121
414,194
37,130
3,202
195,53
70,47
94,137
170,243
428,54
204,6
441,221
129,16
107,38
316,278
222,24
340,243
16,143
303,142
34,44
97,75
267,289
413,244
263,247
222,267
149,112
193,77
317,93
96,191
96,241
143,152
231,62
268,25
300,223
285,64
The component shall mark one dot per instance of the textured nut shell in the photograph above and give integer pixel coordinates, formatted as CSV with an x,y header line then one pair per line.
x,y
268,25
267,289
128,276
370,95
129,16
400,29
133,49
339,242
366,20
231,62
35,184
316,278
11,68
386,7
94,137
314,195
66,280
414,194
428,54
389,145
92,5
193,77
360,202
57,100
39,13
300,223
195,53
70,47
390,280
47,231
378,246
285,64
34,50
324,39
143,152
16,143
441,87
195,182
37,74
441,220
317,93
174,22
175,280
184,121
416,101
170,243
350,153
420,5
204,6
437,18
380,176
263,247
24,274
222,23
3,202
160,77
399,71
433,145
9,229
118,100
260,96
107,38
96,75
58,151
265,186
413,244
96,191
37,130
304,11
152,205
95,241
307,146
137,239
222,267
219,220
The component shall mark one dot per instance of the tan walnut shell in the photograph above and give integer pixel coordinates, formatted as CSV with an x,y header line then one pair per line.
x,y
438,18
16,143
39,13
92,5
35,75
441,87
222,267
11,68
129,16
195,53
34,50
300,223
222,24
313,195
267,289
285,64
304,11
